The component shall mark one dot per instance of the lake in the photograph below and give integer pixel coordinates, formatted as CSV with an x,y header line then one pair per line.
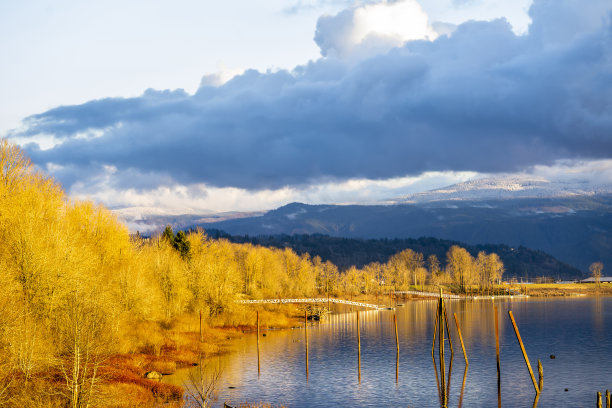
x,y
577,331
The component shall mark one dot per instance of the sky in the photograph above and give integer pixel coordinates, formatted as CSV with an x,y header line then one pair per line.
x,y
193,106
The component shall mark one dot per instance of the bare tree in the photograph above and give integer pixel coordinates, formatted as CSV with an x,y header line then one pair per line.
x,y
202,386
596,268
82,338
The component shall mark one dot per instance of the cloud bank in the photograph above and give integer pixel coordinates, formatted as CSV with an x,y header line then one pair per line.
x,y
380,103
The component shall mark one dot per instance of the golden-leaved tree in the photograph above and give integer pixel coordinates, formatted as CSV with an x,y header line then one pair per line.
x,y
57,258
460,265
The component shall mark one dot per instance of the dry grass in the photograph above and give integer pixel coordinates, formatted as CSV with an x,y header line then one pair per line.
x,y
165,366
126,375
171,344
137,336
566,289
37,393
125,395
243,318
535,289
129,370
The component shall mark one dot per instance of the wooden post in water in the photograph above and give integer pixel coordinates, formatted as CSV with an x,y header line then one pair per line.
x,y
540,375
258,360
358,350
448,380
306,339
396,335
461,339
535,400
397,368
497,353
463,386
396,348
450,341
608,400
441,347
433,345
437,378
518,337
599,399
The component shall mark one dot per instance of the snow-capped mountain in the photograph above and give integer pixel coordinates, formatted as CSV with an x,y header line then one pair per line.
x,y
509,187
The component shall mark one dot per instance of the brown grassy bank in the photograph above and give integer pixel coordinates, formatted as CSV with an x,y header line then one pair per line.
x,y
533,290
567,289
167,346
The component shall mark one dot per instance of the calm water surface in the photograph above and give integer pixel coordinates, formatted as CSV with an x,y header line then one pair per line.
x,y
578,331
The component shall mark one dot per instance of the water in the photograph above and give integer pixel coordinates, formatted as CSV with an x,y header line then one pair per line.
x,y
578,331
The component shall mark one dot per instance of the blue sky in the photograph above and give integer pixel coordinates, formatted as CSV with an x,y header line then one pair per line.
x,y
191,106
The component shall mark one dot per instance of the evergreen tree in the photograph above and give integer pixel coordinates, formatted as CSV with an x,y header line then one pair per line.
x,y
181,244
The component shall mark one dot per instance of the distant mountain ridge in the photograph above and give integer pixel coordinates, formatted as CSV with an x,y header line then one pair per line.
x,y
576,230
509,187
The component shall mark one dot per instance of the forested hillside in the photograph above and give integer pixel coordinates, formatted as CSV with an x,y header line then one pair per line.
x,y
576,230
519,262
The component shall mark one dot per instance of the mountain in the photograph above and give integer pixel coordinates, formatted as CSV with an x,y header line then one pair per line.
x,y
571,221
510,188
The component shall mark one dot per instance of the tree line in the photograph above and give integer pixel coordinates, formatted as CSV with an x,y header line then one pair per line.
x,y
519,262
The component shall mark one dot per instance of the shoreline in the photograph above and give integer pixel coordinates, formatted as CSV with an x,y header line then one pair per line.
x,y
180,346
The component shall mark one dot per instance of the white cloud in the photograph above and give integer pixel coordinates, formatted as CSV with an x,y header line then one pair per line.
x,y
459,11
592,172
220,77
373,28
202,199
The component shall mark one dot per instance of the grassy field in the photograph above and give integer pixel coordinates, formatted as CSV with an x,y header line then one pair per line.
x,y
566,289
532,289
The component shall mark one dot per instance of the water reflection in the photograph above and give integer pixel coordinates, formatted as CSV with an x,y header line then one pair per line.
x,y
463,386
535,400
598,315
575,330
437,380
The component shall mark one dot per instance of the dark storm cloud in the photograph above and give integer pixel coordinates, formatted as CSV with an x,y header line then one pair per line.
x,y
483,99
